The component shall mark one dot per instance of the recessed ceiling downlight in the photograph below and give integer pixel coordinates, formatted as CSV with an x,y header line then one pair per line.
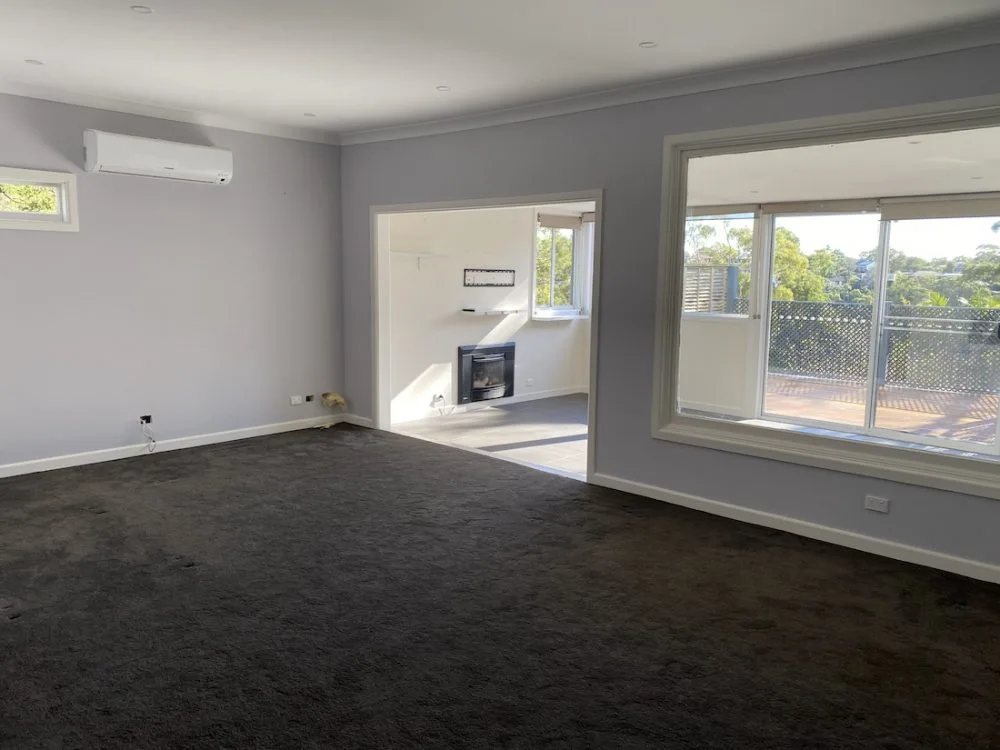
x,y
443,89
33,61
308,114
648,45
143,9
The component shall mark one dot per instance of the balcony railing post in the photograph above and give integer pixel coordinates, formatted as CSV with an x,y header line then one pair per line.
x,y
732,288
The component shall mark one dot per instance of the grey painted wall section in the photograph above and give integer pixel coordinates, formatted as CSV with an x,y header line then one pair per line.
x,y
620,151
206,306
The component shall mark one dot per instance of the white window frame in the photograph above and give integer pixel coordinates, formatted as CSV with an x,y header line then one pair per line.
x,y
68,220
582,262
958,473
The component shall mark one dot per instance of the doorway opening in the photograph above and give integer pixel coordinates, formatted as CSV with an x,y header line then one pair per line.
x,y
486,326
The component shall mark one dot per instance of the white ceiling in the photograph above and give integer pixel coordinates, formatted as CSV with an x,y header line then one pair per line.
x,y
363,64
964,161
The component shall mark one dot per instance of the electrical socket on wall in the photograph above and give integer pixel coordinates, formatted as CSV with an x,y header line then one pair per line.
x,y
877,504
529,383
295,400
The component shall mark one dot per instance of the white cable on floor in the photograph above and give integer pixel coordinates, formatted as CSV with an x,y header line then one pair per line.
x,y
147,431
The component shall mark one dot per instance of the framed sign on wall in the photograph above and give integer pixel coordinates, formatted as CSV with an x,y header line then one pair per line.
x,y
488,277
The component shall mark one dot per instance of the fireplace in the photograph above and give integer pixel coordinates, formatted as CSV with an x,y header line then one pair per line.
x,y
485,372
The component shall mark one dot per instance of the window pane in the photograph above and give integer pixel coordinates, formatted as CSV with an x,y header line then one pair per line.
x,y
717,254
29,199
543,269
939,355
820,334
562,294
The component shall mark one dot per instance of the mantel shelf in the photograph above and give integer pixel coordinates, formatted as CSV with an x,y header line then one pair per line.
x,y
482,313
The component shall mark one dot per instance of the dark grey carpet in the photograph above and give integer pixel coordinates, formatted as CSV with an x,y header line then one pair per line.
x,y
348,588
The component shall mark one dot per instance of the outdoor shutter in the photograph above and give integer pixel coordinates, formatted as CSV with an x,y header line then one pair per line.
x,y
941,208
556,221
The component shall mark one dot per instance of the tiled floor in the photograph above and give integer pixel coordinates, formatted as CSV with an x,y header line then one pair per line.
x,y
550,433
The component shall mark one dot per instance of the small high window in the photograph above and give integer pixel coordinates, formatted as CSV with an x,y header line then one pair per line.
x,y
37,200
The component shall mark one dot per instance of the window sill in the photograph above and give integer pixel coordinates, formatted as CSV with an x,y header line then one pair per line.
x,y
715,317
973,475
542,317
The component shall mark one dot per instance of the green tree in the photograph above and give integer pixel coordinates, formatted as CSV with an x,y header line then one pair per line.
x,y
936,299
561,295
984,267
32,199
831,263
720,244
904,289
791,270
983,297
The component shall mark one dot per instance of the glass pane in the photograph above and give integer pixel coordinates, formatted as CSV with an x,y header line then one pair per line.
x,y
717,254
819,340
29,199
939,356
543,268
562,294
714,377
488,373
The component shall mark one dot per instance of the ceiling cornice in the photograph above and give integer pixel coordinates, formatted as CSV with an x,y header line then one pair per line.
x,y
947,40
205,119
859,56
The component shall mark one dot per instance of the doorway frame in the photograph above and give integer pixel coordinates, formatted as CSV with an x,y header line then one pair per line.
x,y
381,288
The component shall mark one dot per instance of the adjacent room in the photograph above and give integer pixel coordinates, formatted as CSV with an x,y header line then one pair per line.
x,y
489,330
536,374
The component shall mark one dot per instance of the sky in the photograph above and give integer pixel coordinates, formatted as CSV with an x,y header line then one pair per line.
x,y
924,238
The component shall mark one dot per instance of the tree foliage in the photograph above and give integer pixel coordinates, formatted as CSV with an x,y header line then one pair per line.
x,y
32,199
827,274
561,295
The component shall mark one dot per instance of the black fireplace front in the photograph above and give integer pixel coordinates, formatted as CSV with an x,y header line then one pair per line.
x,y
485,372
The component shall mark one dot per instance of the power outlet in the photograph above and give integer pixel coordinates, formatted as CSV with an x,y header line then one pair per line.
x,y
529,383
310,398
295,400
877,504
146,419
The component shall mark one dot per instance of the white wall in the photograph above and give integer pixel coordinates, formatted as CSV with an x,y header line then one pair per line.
x,y
715,370
427,327
620,150
206,306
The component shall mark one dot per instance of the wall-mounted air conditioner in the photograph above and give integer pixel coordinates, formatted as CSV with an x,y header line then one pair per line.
x,y
126,154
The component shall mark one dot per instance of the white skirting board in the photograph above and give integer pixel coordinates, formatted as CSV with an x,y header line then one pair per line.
x,y
173,444
874,545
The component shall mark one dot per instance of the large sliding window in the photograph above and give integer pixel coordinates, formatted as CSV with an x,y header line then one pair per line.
x,y
824,268
836,302
938,356
881,328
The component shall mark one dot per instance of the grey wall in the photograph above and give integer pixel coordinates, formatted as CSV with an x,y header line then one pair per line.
x,y
206,306
620,150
